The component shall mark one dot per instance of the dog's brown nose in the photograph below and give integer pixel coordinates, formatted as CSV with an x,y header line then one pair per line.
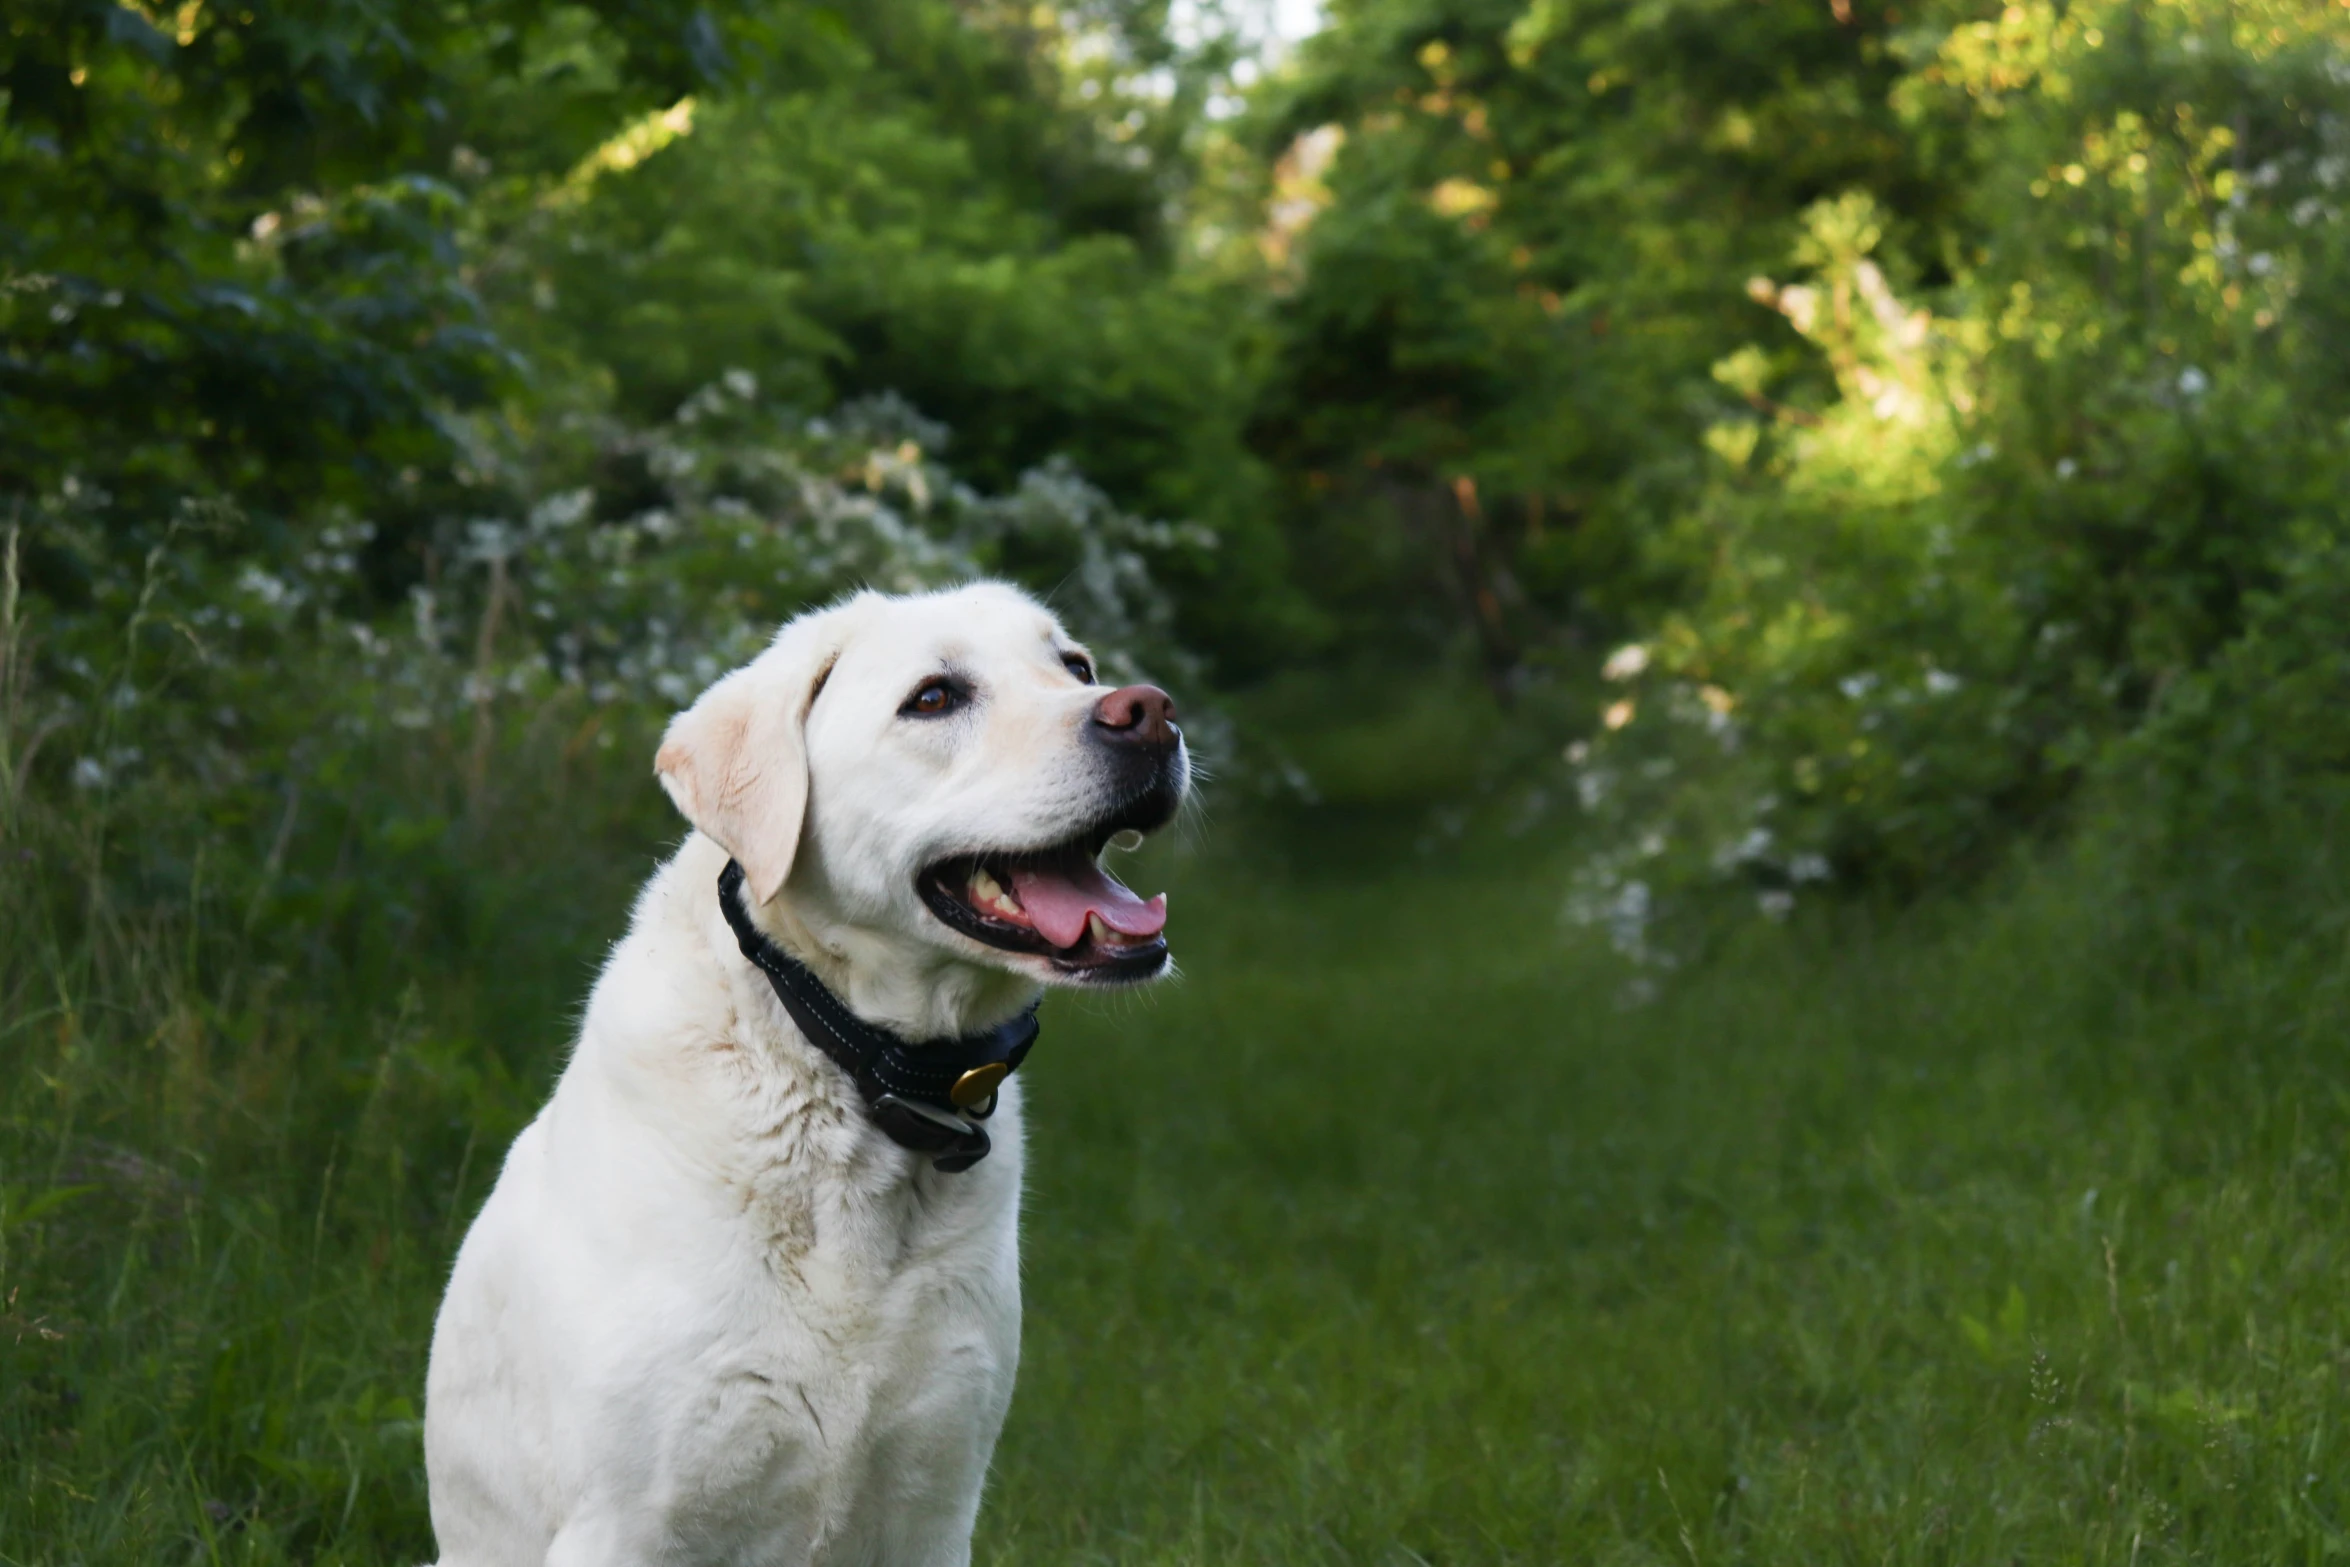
x,y
1137,715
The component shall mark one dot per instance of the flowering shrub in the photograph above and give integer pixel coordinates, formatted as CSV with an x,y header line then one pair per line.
x,y
640,564
238,692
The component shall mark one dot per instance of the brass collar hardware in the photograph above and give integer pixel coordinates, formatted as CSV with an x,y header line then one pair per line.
x,y
977,1087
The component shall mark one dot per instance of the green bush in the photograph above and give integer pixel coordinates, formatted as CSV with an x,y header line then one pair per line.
x,y
2043,506
2228,808
231,713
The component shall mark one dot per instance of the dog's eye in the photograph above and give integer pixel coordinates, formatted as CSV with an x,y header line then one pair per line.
x,y
1079,665
934,698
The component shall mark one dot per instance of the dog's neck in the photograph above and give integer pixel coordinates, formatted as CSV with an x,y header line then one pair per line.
x,y
913,990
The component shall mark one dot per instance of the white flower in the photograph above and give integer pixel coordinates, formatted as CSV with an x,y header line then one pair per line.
x,y
269,589
1776,904
1941,682
2066,467
1808,867
1625,662
1627,917
2193,382
1858,686
89,773
489,538
562,510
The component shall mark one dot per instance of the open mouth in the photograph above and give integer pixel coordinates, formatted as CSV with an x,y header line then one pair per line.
x,y
1056,903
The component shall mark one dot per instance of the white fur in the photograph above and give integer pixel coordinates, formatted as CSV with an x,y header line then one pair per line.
x,y
710,1314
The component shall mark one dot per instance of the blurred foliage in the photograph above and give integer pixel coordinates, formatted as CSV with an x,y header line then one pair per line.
x,y
299,258
229,261
214,700
1509,240
2227,809
1920,400
1991,516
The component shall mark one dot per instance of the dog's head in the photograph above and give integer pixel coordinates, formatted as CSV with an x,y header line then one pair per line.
x,y
942,769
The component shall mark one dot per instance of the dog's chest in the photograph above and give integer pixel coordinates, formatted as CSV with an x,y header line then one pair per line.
x,y
857,1365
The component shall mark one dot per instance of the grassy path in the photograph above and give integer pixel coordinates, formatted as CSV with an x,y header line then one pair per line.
x,y
1388,1238
1384,1237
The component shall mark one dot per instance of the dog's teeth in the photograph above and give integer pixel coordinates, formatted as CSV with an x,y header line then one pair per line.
x,y
1102,934
992,897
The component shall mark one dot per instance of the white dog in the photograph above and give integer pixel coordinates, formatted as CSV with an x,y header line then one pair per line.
x,y
748,1288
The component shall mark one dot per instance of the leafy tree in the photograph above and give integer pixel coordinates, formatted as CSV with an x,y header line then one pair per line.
x,y
2048,501
309,259
229,261
979,216
1490,352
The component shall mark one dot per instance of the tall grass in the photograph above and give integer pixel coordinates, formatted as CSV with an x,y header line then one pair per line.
x,y
256,1068
1385,1235
230,1182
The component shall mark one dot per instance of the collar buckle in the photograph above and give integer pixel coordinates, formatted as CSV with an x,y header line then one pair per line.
x,y
912,1124
924,1097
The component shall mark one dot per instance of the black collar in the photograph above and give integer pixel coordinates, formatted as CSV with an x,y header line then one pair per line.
x,y
925,1096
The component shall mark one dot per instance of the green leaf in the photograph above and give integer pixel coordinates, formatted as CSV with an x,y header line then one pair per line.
x,y
12,1215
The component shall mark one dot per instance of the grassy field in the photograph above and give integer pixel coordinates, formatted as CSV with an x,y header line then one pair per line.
x,y
1386,1236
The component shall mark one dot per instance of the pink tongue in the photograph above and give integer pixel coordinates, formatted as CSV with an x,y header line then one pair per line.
x,y
1060,898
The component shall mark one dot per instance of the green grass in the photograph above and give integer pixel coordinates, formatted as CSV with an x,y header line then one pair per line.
x,y
1385,1236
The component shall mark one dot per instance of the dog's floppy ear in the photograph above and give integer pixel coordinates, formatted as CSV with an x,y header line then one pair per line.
x,y
736,762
